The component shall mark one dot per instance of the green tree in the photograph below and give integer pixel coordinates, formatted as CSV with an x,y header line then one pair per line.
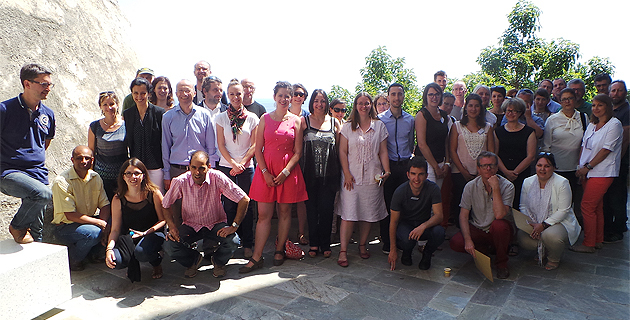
x,y
381,70
521,59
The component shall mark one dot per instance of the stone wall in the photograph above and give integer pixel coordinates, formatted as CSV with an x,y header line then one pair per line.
x,y
86,44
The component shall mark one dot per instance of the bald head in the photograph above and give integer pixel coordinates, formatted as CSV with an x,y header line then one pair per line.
x,y
185,91
248,91
81,150
202,70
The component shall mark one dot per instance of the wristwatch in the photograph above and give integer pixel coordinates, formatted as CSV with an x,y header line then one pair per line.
x,y
588,166
235,225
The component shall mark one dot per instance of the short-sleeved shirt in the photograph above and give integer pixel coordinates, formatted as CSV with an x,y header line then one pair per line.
x,y
256,108
23,138
585,107
201,204
608,137
415,209
623,113
476,198
239,147
73,194
363,151
400,141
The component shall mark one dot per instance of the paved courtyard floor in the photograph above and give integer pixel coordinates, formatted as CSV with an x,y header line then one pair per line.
x,y
586,286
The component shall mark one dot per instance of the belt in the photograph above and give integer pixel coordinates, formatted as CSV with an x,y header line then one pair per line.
x,y
401,162
179,166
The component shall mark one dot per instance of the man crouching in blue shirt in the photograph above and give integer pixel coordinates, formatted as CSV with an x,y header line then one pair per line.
x,y
26,128
411,219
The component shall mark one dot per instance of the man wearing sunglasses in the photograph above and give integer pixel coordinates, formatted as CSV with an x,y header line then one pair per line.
x,y
486,201
26,128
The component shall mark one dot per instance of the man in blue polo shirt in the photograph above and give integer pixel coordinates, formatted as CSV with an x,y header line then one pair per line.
x,y
416,213
26,128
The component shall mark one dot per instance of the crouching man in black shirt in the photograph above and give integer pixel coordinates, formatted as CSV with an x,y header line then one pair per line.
x,y
416,213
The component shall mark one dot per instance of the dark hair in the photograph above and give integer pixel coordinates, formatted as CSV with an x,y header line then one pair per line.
x,y
146,185
543,80
301,86
564,81
282,85
426,92
109,94
335,102
395,84
511,93
439,73
447,94
547,155
208,81
200,154
602,77
315,93
379,96
576,81
607,100
31,71
487,154
140,82
418,162
526,91
569,91
354,117
542,92
623,83
169,96
481,119
499,89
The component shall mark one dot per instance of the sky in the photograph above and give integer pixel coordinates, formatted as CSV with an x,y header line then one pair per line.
x,y
324,43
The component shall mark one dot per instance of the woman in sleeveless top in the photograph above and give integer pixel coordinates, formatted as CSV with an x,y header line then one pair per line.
x,y
236,140
468,138
320,167
515,146
106,138
432,126
137,222
278,177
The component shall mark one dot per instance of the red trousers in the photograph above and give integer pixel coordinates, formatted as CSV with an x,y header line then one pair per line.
x,y
498,238
593,209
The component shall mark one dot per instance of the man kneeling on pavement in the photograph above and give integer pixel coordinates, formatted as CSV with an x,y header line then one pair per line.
x,y
486,200
77,193
411,218
203,217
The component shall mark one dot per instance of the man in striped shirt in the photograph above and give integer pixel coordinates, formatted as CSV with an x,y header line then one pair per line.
x,y
203,217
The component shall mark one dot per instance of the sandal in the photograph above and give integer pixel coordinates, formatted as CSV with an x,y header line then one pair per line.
x,y
364,255
552,265
342,263
255,265
302,239
327,253
278,262
312,252
157,272
513,251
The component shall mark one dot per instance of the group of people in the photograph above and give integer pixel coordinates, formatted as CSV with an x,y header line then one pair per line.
x,y
157,177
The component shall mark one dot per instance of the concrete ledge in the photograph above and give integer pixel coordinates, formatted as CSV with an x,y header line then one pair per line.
x,y
34,278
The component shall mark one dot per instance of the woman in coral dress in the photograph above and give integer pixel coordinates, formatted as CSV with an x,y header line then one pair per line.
x,y
278,177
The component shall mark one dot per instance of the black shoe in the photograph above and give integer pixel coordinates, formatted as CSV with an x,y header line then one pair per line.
x,y
613,238
425,262
406,260
503,273
385,248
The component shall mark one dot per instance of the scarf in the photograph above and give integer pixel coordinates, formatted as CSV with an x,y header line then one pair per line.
x,y
237,119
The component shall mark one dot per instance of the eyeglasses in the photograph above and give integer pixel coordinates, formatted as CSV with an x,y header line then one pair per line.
x,y
511,111
433,95
133,174
298,94
45,85
340,110
487,166
569,99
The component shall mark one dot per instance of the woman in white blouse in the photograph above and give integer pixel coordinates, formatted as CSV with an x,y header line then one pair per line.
x,y
236,139
599,164
546,200
563,137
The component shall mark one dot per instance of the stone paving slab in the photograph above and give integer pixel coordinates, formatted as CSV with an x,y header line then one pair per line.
x,y
586,286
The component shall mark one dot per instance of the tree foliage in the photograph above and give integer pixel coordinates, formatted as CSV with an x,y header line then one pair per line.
x,y
522,59
381,70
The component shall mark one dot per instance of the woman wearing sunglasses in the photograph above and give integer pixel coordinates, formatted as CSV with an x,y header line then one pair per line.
x,y
338,110
299,96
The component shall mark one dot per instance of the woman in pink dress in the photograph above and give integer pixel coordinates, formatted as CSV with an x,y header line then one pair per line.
x,y
278,177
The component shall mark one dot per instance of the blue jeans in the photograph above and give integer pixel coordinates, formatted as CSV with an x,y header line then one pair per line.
x,y
146,250
433,235
246,228
186,256
35,196
79,238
